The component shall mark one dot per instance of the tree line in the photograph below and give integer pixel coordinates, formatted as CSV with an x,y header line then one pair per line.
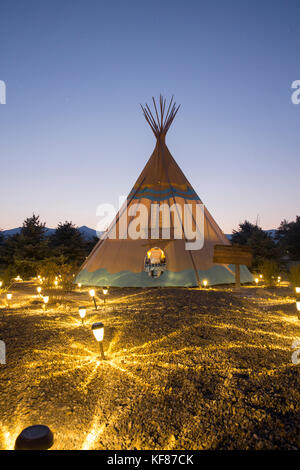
x,y
31,252
272,254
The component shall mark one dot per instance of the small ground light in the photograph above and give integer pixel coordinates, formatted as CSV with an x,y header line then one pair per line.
x,y
45,300
260,276
297,289
298,308
56,283
1,283
98,330
205,282
39,290
79,285
8,299
92,294
37,437
82,313
105,292
256,280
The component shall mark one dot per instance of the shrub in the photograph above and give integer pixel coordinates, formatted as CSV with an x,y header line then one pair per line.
x,y
25,268
48,269
67,277
9,274
53,268
270,271
294,275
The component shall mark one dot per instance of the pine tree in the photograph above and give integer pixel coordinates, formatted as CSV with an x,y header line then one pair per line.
x,y
25,249
288,235
68,242
262,244
31,244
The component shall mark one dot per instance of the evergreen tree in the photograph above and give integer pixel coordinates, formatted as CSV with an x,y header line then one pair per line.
x,y
27,248
90,244
2,239
68,242
262,244
288,235
31,244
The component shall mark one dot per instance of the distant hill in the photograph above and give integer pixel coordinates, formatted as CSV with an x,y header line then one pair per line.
x,y
271,232
86,232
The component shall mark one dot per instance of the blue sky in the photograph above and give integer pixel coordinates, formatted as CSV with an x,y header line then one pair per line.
x,y
72,135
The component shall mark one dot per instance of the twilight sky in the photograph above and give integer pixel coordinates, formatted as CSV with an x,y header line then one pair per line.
x,y
72,135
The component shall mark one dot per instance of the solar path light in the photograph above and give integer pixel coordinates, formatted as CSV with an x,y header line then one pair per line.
x,y
37,437
92,294
298,308
105,292
45,300
82,313
98,330
8,298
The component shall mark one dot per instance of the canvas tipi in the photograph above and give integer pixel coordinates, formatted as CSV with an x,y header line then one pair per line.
x,y
147,246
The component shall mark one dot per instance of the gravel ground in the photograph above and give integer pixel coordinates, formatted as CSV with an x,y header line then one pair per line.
x,y
185,369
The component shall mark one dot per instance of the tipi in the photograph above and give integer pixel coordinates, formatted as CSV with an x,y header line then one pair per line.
x,y
154,250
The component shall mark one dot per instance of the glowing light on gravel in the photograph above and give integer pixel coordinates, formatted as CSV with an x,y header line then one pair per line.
x,y
133,376
291,319
93,435
225,342
90,377
9,437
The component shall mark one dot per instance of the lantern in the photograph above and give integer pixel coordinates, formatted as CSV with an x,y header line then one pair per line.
x,y
92,294
37,437
105,292
98,330
82,313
